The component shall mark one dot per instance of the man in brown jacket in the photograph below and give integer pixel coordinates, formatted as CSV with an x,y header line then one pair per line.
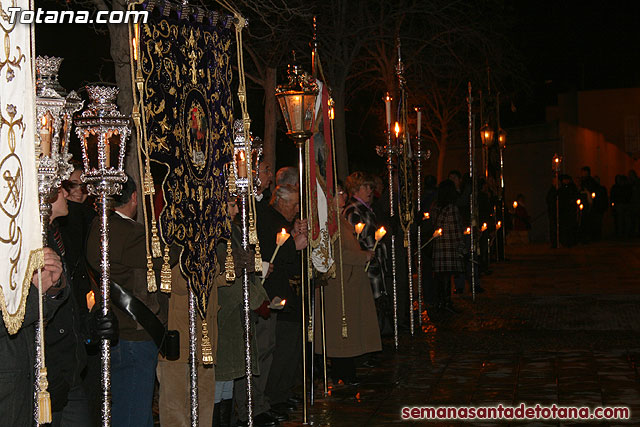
x,y
135,356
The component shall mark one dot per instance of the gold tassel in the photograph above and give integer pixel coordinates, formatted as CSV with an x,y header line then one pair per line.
x,y
253,234
165,273
207,352
155,240
345,335
147,183
258,260
44,399
151,276
229,268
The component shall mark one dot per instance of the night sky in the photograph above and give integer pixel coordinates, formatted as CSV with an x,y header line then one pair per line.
x,y
567,45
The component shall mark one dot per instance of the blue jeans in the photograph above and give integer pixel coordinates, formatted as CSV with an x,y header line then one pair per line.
x,y
133,374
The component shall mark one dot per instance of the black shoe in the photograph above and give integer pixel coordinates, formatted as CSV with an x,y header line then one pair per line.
x,y
283,407
296,400
278,415
265,420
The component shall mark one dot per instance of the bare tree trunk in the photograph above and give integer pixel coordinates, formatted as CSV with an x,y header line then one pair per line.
x,y
342,158
119,37
270,118
442,152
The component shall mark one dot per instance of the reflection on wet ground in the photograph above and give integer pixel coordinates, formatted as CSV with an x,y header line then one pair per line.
x,y
552,327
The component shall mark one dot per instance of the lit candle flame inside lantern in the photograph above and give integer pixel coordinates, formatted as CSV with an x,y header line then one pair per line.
x,y
498,225
397,129
387,106
359,227
468,230
242,164
427,215
593,195
578,201
45,137
515,205
557,160
91,300
581,206
484,226
331,113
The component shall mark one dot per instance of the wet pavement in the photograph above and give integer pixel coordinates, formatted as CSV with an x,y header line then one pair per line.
x,y
554,326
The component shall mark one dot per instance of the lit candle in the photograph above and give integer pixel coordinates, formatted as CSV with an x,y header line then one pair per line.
x,y
426,215
437,233
419,121
380,232
242,165
581,206
578,201
359,227
91,300
484,226
468,230
515,205
45,138
397,129
107,152
593,195
387,105
281,237
498,225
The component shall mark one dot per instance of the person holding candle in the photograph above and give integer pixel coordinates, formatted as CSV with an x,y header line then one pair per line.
x,y
360,310
286,329
448,249
359,210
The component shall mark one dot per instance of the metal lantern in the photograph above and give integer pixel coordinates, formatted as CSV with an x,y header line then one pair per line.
x,y
103,132
502,138
297,101
486,134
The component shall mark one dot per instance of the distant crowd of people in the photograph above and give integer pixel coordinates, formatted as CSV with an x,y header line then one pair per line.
x,y
576,209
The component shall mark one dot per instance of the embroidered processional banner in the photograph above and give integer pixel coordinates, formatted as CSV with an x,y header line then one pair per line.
x,y
188,112
20,241
323,220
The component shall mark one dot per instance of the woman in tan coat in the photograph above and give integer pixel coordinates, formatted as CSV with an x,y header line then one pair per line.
x,y
363,334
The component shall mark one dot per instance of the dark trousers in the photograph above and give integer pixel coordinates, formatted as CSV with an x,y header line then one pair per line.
x,y
75,412
443,287
266,342
286,359
133,375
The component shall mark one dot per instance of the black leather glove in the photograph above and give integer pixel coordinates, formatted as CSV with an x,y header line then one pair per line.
x,y
103,326
243,259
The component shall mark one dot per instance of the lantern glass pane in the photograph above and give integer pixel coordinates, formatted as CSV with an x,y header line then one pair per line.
x,y
91,147
309,107
285,113
112,150
296,111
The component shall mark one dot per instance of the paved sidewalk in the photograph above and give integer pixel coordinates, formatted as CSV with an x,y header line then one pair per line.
x,y
552,327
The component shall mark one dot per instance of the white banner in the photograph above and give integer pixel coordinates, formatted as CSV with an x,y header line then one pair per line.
x,y
20,241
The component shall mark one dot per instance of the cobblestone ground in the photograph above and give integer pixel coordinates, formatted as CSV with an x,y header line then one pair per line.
x,y
554,326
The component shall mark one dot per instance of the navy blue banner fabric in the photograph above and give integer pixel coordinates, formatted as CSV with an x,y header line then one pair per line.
x,y
188,113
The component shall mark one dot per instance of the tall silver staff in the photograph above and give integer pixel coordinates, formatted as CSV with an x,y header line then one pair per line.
x,y
389,151
103,132
405,208
243,174
472,201
53,167
420,156
297,101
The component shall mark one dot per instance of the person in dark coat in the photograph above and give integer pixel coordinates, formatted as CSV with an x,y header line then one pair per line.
x,y
567,197
281,283
448,249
